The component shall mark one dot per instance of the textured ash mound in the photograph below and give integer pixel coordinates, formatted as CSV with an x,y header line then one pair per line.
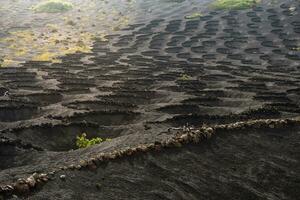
x,y
161,90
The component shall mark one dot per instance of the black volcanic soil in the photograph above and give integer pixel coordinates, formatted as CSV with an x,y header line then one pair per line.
x,y
149,82
239,165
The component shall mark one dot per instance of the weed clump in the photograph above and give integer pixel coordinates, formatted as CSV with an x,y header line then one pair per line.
x,y
193,15
83,142
184,77
234,4
53,6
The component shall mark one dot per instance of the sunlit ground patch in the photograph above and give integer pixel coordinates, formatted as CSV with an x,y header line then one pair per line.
x,y
66,33
7,62
46,56
234,4
53,42
53,6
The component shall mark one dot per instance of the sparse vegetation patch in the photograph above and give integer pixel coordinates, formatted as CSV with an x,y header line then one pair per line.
x,y
184,77
193,15
234,4
53,6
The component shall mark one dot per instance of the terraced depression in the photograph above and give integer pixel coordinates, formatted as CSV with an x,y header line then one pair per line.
x,y
193,99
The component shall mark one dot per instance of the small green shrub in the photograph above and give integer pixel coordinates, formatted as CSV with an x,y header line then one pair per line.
x,y
83,142
234,4
53,6
184,77
296,49
193,15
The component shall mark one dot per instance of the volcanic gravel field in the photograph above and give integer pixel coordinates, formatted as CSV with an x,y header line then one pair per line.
x,y
201,108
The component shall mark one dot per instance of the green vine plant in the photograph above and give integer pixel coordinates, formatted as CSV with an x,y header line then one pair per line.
x,y
83,142
185,77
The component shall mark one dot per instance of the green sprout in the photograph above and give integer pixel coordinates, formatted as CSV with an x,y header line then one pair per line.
x,y
185,77
83,142
296,48
194,15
